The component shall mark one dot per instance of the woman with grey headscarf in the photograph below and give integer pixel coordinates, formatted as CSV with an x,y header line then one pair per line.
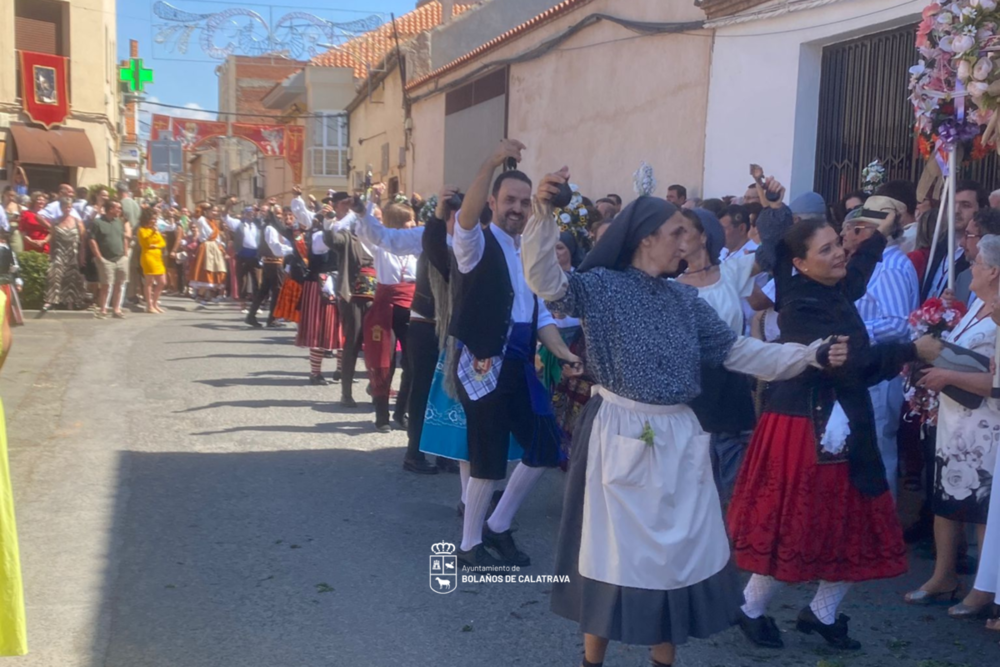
x,y
630,569
725,406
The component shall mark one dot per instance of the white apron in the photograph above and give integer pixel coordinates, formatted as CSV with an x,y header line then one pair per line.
x,y
651,514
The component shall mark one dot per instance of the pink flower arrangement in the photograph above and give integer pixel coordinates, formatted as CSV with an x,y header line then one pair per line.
x,y
934,317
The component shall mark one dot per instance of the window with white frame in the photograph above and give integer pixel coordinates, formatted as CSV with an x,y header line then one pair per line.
x,y
328,151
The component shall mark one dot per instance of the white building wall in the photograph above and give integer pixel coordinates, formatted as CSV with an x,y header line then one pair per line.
x,y
763,101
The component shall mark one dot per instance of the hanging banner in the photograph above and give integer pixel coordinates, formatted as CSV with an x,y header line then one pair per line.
x,y
270,139
192,132
295,139
159,123
44,92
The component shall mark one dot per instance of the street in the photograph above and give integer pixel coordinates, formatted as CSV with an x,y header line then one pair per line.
x,y
185,499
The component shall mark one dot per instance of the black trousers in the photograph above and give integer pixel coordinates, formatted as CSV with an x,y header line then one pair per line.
x,y
246,267
352,317
422,359
272,278
400,330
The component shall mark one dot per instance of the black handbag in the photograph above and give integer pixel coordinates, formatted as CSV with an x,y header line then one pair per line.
x,y
956,358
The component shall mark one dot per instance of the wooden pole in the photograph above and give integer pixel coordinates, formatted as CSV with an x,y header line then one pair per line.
x,y
937,227
952,177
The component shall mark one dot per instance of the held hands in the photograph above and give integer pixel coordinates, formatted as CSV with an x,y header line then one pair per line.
x,y
508,148
935,379
837,354
549,187
572,365
928,348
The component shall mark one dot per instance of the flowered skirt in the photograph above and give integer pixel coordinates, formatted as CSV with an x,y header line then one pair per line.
x,y
287,306
209,267
797,520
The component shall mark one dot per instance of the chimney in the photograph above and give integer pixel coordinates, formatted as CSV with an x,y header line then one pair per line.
x,y
447,9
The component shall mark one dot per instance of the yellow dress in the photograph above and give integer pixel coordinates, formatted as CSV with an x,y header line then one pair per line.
x,y
152,243
13,633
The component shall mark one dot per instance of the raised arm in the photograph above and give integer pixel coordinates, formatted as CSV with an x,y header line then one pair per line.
x,y
396,241
478,193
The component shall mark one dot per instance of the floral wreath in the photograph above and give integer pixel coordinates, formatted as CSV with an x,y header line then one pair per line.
x,y
427,210
574,218
955,86
873,176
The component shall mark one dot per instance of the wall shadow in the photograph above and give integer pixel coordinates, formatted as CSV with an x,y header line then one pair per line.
x,y
307,558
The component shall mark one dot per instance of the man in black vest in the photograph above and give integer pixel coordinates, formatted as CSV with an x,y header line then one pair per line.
x,y
495,320
272,250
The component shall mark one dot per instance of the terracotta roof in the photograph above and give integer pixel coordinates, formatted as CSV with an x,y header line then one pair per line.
x,y
718,8
548,15
371,47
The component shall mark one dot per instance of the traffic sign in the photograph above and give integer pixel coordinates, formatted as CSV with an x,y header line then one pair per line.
x,y
166,156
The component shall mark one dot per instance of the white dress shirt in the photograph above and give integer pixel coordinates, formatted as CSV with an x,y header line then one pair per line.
x,y
469,246
395,250
276,242
53,212
4,222
250,232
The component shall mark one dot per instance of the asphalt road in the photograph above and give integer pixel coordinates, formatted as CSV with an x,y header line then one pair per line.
x,y
184,499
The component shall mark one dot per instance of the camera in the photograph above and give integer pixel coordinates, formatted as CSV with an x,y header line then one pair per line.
x,y
561,200
454,202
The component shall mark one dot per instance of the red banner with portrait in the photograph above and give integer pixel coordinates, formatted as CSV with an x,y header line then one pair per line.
x,y
159,123
44,89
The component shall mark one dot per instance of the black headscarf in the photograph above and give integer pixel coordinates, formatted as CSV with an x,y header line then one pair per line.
x,y
576,253
635,222
715,236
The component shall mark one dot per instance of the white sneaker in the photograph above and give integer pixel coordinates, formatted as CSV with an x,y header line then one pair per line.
x,y
245,311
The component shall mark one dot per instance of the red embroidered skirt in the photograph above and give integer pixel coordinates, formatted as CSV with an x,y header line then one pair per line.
x,y
319,320
796,520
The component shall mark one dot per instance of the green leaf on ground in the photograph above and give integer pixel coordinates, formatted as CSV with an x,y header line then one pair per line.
x,y
324,588
466,628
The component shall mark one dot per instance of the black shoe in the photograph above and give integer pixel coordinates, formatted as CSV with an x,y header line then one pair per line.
x,y
503,544
348,401
383,427
252,321
275,325
401,421
477,556
337,375
318,379
419,466
762,631
447,465
329,354
42,311
835,635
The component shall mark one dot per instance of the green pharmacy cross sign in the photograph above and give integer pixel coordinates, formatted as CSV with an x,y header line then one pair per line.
x,y
135,75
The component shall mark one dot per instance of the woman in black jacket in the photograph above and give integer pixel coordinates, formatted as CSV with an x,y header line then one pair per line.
x,y
812,502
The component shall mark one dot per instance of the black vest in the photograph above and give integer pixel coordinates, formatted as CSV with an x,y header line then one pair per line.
x,y
483,299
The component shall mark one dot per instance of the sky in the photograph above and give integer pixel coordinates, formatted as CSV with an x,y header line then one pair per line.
x,y
189,80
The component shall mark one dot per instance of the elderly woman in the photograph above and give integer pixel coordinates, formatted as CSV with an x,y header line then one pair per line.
x,y
35,229
637,573
966,451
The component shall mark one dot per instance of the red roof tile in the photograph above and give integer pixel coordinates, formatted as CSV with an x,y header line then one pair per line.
x,y
548,15
371,47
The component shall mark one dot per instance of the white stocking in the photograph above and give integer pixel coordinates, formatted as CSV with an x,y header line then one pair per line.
x,y
464,472
522,480
829,595
758,593
478,496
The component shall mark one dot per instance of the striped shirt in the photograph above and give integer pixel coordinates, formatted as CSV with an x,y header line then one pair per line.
x,y
893,293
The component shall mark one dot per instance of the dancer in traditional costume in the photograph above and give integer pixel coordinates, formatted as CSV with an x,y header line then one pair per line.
x,y
388,319
209,274
273,252
296,267
812,502
319,322
642,539
496,322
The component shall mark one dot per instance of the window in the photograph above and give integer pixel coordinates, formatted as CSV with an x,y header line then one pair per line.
x,y
385,159
328,149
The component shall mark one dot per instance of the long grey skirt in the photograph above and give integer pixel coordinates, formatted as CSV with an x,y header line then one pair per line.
x,y
632,615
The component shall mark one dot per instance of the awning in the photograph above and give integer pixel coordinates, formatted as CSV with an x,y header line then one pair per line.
x,y
63,147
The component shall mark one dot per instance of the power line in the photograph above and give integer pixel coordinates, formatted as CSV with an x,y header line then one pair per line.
x,y
244,113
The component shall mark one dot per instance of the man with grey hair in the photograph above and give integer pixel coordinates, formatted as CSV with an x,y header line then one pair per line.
x,y
53,211
985,221
892,294
995,199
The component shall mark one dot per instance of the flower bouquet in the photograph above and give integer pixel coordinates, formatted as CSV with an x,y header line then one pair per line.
x,y
575,218
873,176
935,317
955,86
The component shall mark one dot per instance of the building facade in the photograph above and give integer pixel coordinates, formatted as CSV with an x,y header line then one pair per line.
x,y
84,149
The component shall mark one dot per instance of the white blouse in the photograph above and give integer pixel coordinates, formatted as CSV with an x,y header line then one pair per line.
x,y
726,295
